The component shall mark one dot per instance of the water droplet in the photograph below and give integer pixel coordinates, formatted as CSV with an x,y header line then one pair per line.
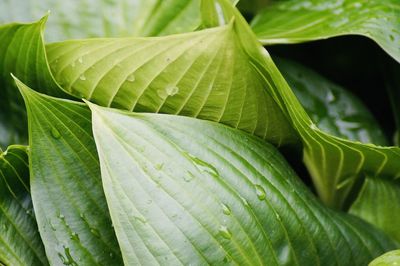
x,y
261,195
159,166
131,78
162,94
203,166
75,236
95,232
68,260
111,255
171,90
225,209
330,97
61,216
224,231
244,201
140,219
189,176
55,133
82,77
391,37
29,212
80,60
168,59
52,226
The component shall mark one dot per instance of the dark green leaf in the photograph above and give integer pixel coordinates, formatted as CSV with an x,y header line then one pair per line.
x,y
66,188
20,243
296,21
184,191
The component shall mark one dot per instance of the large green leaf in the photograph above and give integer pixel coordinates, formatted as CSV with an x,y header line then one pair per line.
x,y
21,53
296,21
87,18
185,191
332,108
378,203
205,74
335,164
20,243
66,189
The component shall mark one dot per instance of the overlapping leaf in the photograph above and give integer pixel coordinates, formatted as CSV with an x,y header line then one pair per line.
x,y
184,191
20,243
204,74
303,20
391,258
66,189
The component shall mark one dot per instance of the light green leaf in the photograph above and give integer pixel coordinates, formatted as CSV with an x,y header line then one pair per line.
x,y
378,203
106,18
297,21
332,108
335,164
197,192
21,53
66,189
205,74
20,243
391,258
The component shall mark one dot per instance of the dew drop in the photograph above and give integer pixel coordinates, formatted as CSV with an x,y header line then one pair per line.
x,y
261,195
95,232
82,77
189,176
140,219
224,231
131,78
159,166
225,209
171,90
244,201
162,94
80,60
111,255
330,97
61,216
75,236
55,133
391,37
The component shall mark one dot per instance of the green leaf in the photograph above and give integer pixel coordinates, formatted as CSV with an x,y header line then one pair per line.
x,y
197,192
335,164
20,243
378,203
391,258
106,18
21,53
297,21
332,108
205,74
66,189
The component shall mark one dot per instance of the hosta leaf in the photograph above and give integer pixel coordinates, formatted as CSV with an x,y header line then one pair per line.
x,y
296,21
87,18
66,187
21,53
335,164
391,258
378,203
205,74
332,108
185,191
20,242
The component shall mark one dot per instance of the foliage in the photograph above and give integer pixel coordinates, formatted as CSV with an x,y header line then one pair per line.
x,y
164,148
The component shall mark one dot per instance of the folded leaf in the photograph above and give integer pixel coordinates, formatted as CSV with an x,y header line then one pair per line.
x,y
66,189
205,74
297,21
21,53
185,191
378,203
20,243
